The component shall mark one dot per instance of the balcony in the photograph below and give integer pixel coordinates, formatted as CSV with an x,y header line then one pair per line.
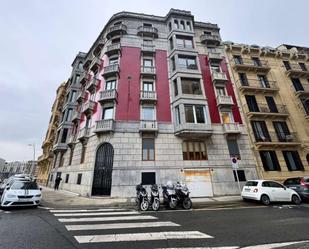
x,y
87,64
148,126
256,86
83,134
147,31
279,111
107,125
113,49
296,71
148,71
72,139
88,107
275,140
80,96
98,47
111,70
231,128
96,65
119,29
76,116
224,101
302,90
148,97
258,66
84,78
148,49
209,39
92,84
108,96
60,147
192,130
218,78
215,57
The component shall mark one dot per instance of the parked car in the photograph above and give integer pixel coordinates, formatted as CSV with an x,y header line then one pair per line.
x,y
21,193
9,181
300,185
269,191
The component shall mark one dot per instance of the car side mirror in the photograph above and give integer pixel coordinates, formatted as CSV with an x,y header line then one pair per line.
x,y
41,189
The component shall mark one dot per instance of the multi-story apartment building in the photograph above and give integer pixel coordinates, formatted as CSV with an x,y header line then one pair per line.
x,y
19,167
46,159
152,101
273,89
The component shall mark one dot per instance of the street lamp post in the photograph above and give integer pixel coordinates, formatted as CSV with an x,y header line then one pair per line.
x,y
33,145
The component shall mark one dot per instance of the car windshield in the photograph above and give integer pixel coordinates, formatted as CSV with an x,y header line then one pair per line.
x,y
24,185
251,184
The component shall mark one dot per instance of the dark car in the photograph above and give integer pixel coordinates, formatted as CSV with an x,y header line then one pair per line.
x,y
300,185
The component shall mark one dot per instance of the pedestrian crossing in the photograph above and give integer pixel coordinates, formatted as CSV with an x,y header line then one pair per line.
x,y
89,226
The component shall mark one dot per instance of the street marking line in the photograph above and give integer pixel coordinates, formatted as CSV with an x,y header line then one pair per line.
x,y
96,214
145,217
275,245
85,210
45,208
141,236
120,226
224,247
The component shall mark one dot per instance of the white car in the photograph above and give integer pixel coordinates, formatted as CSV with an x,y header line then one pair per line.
x,y
21,193
269,191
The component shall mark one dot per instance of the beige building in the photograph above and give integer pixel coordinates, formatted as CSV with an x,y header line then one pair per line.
x,y
273,89
45,160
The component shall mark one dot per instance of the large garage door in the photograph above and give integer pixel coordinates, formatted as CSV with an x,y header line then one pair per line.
x,y
199,182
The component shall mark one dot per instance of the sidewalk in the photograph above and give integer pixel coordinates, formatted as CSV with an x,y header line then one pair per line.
x,y
62,198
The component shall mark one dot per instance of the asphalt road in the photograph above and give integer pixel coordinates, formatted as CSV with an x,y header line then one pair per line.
x,y
236,227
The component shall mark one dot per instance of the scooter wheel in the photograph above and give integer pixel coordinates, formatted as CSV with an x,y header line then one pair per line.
x,y
172,204
187,203
144,205
155,205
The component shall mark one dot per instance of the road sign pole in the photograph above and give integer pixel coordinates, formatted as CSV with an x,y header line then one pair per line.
x,y
236,173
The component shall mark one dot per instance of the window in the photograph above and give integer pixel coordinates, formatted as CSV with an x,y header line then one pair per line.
x,y
241,175
256,62
176,24
55,160
233,148
195,114
51,178
61,161
215,68
67,178
176,87
79,179
187,62
287,65
260,131
282,131
263,81
194,150
184,41
252,104
71,155
207,33
148,178
302,66
171,44
148,86
238,59
243,79
177,113
189,26
306,105
73,96
173,64
108,113
148,113
148,145
297,84
270,184
226,117
69,115
251,184
191,86
77,79
64,135
113,61
83,153
147,24
147,63
182,25
170,26
87,122
111,84
270,161
292,160
80,65
220,91
271,104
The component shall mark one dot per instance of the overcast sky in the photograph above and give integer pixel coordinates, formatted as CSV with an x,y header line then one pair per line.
x,y
39,40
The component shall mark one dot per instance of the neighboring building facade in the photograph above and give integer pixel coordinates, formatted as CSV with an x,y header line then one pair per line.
x,y
151,101
19,167
273,88
45,160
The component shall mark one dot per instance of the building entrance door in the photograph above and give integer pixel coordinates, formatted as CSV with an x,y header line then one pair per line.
x,y
103,169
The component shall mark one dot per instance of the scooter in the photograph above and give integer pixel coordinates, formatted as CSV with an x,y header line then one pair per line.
x,y
182,194
169,195
142,198
154,199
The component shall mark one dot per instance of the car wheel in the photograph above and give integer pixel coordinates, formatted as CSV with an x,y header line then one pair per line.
x,y
245,199
265,200
296,200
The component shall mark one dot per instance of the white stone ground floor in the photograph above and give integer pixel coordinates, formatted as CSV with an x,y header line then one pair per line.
x,y
211,177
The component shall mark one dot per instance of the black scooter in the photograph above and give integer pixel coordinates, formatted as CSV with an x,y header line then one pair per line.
x,y
141,198
154,199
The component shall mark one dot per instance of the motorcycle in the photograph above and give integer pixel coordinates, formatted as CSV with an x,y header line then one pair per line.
x,y
142,198
176,195
154,199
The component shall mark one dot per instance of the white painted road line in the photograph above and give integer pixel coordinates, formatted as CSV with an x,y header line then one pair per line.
x,y
89,219
224,247
141,236
275,245
97,214
85,210
120,226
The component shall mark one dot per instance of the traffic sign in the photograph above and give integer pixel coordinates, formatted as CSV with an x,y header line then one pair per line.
x,y
234,163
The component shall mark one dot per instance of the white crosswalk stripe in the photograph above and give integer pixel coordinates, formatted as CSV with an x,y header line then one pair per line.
x,y
90,220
